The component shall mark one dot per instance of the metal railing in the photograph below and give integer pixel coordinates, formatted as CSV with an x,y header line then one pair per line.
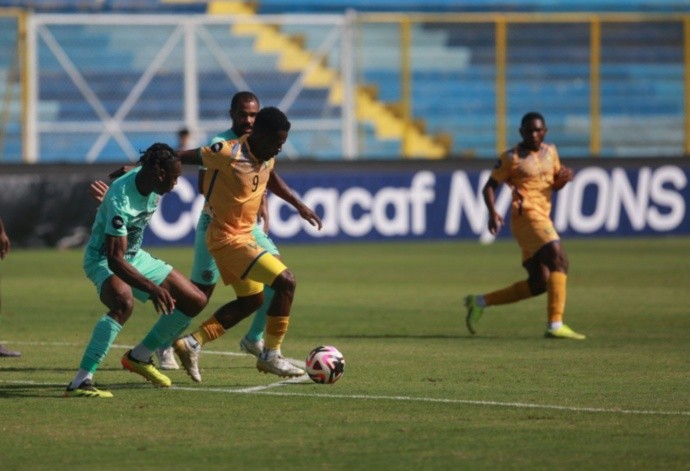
x,y
618,85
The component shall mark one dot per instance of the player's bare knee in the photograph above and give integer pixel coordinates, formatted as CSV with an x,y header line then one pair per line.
x,y
537,286
197,302
563,263
285,284
121,308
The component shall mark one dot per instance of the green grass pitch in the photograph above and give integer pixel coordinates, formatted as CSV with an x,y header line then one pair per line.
x,y
418,391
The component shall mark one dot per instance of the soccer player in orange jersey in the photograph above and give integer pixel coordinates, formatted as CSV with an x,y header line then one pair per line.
x,y
533,171
239,172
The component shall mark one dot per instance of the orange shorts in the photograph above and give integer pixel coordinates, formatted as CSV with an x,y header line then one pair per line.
x,y
244,264
532,233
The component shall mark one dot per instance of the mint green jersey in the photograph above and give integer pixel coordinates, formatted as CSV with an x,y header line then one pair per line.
x,y
226,135
123,212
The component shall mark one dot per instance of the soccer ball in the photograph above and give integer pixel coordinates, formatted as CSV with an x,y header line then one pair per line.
x,y
325,364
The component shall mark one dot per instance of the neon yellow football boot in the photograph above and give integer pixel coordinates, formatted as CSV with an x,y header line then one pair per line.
x,y
147,370
474,312
86,389
563,332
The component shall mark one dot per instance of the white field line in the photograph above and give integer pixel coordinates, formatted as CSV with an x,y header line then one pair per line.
x,y
266,390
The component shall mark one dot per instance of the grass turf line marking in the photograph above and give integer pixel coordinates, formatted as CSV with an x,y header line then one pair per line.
x,y
263,390
517,405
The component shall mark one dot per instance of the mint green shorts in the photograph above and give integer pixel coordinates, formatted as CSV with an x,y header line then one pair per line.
x,y
149,266
204,268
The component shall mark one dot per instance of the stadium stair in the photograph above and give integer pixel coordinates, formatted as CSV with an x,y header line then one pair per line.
x,y
386,119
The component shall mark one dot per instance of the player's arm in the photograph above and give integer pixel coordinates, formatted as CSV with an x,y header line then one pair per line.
x,y
200,182
489,193
282,191
562,177
98,188
116,246
263,212
190,156
4,241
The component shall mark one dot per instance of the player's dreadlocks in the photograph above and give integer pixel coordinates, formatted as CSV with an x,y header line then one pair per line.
x,y
158,155
272,120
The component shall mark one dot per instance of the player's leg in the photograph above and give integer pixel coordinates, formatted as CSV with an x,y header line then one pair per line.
x,y
253,342
475,304
117,297
189,301
271,271
554,263
249,298
204,276
205,273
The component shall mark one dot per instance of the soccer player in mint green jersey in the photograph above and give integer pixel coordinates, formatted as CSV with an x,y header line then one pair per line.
x,y
122,271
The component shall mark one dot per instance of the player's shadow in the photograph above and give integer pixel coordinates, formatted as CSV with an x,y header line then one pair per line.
x,y
32,369
11,391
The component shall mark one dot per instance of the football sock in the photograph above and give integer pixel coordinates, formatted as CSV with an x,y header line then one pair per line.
x,y
276,328
555,290
256,330
513,293
208,331
163,331
82,375
104,334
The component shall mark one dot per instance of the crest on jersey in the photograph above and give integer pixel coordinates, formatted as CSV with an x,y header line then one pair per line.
x,y
216,147
118,222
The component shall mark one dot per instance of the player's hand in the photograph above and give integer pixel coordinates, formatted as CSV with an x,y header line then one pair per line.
x,y
310,216
162,301
120,171
495,223
97,190
563,176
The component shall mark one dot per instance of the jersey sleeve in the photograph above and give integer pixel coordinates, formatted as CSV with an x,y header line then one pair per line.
x,y
116,217
556,160
215,156
501,171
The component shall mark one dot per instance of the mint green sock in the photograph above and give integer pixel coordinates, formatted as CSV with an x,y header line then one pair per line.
x,y
165,329
104,334
256,330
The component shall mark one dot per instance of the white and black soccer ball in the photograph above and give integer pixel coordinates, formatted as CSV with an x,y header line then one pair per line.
x,y
325,364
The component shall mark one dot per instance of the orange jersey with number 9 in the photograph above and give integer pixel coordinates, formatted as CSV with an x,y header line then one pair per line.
x,y
233,186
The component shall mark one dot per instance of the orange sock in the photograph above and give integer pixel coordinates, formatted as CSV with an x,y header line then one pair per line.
x,y
555,289
513,293
208,331
276,328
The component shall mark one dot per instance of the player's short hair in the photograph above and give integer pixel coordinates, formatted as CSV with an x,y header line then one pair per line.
x,y
242,97
158,155
271,120
531,116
